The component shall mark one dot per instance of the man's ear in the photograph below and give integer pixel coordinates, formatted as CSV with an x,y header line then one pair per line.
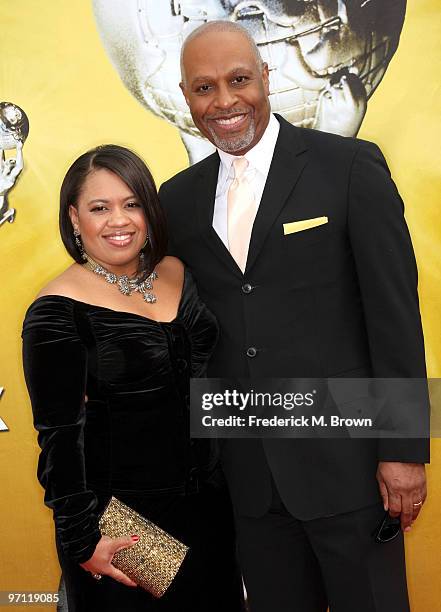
x,y
184,91
73,214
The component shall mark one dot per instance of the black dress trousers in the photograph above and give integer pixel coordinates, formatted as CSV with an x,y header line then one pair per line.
x,y
291,565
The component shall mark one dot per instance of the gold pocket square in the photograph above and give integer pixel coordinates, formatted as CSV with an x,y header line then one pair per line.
x,y
299,226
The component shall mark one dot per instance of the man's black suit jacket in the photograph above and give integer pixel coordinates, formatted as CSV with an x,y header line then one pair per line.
x,y
339,299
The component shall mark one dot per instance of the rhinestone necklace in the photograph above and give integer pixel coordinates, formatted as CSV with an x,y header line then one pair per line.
x,y
126,285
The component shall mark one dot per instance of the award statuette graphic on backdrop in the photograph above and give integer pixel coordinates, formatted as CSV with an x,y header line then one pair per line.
x,y
3,426
14,129
309,46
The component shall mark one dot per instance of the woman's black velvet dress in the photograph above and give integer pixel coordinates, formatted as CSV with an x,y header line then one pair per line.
x,y
110,393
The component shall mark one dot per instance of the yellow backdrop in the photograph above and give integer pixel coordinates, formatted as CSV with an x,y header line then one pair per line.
x,y
54,66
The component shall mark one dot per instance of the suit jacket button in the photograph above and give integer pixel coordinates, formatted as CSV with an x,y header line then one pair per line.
x,y
251,352
247,288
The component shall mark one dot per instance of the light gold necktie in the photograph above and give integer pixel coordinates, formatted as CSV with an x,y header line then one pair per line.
x,y
241,207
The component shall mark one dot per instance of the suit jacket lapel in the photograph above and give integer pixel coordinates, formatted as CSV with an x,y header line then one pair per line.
x,y
205,196
287,164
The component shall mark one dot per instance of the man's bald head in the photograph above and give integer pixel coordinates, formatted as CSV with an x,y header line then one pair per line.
x,y
219,26
226,85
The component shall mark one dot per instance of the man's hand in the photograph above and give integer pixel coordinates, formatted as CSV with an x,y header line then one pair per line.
x,y
402,487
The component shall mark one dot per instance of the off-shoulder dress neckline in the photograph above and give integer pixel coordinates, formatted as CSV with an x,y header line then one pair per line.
x,y
125,312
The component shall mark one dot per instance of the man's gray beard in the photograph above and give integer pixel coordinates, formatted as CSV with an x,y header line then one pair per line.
x,y
233,145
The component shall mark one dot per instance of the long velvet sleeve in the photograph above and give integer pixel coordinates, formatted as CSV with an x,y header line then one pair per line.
x,y
55,366
201,326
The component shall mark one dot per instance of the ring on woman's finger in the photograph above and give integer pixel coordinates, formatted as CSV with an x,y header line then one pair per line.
x,y
97,576
420,503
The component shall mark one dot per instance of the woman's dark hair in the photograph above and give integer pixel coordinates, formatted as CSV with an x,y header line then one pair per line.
x,y
135,174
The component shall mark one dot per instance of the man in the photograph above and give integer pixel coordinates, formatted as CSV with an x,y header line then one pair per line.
x,y
336,299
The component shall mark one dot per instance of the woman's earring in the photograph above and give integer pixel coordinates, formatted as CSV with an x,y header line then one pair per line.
x,y
79,243
141,252
145,243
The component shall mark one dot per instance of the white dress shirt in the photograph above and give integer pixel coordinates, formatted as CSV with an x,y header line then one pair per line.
x,y
259,161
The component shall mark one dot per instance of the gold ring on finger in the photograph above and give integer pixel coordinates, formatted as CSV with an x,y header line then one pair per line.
x,y
420,503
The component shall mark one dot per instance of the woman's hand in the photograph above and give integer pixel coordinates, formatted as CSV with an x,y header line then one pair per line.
x,y
101,560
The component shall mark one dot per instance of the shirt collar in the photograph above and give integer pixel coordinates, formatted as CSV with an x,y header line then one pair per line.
x,y
260,156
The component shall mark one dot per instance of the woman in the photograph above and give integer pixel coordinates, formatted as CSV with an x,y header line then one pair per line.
x,y
109,347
